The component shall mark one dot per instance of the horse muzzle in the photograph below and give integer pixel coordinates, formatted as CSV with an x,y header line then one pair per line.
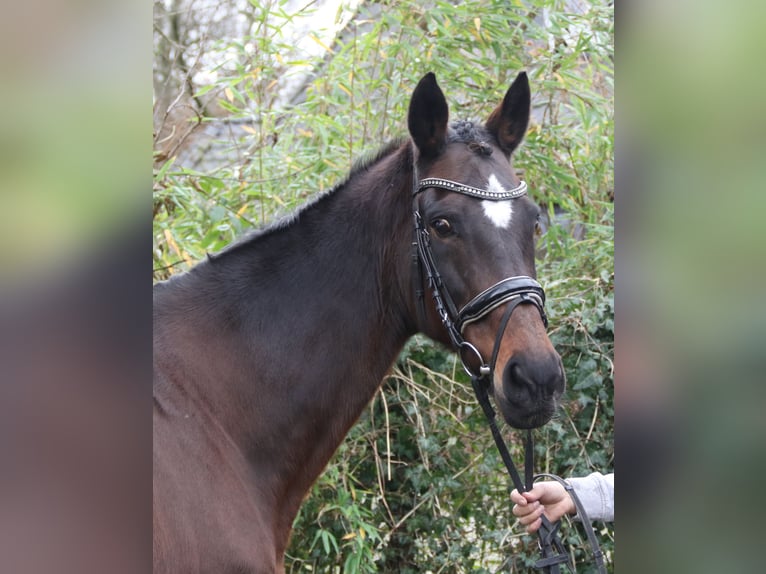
x,y
529,389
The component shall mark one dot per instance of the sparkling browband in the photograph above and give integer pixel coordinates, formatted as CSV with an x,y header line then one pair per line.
x,y
450,185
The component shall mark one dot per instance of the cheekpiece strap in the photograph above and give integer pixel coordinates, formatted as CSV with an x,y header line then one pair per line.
x,y
450,185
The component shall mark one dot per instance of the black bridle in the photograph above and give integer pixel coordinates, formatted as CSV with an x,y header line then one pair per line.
x,y
511,292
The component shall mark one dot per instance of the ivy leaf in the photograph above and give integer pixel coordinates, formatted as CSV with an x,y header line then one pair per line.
x,y
592,380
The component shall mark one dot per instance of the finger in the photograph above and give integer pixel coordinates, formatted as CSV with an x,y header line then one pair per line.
x,y
531,522
519,510
518,498
530,515
533,495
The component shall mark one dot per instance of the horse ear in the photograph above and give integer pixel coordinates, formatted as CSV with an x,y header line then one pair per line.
x,y
427,117
509,121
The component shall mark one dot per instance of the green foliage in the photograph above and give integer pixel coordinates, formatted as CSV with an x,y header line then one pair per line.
x,y
417,485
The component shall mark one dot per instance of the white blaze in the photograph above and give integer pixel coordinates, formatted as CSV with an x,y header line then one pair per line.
x,y
498,212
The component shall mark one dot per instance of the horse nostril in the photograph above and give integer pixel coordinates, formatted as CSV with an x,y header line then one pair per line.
x,y
544,377
515,376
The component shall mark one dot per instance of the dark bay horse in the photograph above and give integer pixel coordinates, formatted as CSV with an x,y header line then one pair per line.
x,y
266,353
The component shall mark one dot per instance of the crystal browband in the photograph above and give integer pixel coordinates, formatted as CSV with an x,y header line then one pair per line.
x,y
450,185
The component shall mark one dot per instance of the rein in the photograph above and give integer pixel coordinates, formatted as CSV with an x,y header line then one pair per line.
x,y
512,292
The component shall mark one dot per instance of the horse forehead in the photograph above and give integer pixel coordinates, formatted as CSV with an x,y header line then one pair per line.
x,y
498,212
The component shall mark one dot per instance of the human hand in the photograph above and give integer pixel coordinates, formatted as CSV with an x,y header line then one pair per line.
x,y
547,497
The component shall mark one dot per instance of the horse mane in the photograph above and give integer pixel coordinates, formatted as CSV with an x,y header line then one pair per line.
x,y
367,160
472,133
362,164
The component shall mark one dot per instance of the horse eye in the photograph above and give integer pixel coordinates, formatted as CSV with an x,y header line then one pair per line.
x,y
442,227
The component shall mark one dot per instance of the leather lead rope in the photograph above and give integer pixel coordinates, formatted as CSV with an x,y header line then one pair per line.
x,y
552,549
553,552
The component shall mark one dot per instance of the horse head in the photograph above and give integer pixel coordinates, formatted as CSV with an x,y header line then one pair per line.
x,y
476,230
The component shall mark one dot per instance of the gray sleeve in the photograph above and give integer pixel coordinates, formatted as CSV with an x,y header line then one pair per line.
x,y
596,492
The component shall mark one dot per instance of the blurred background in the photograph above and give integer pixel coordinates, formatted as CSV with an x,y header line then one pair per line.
x,y
75,307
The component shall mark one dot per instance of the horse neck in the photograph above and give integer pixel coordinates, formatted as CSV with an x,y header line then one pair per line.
x,y
290,334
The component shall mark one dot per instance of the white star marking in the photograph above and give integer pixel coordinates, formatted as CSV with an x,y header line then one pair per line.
x,y
498,212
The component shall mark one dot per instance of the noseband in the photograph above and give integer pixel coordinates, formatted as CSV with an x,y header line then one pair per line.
x,y
512,292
